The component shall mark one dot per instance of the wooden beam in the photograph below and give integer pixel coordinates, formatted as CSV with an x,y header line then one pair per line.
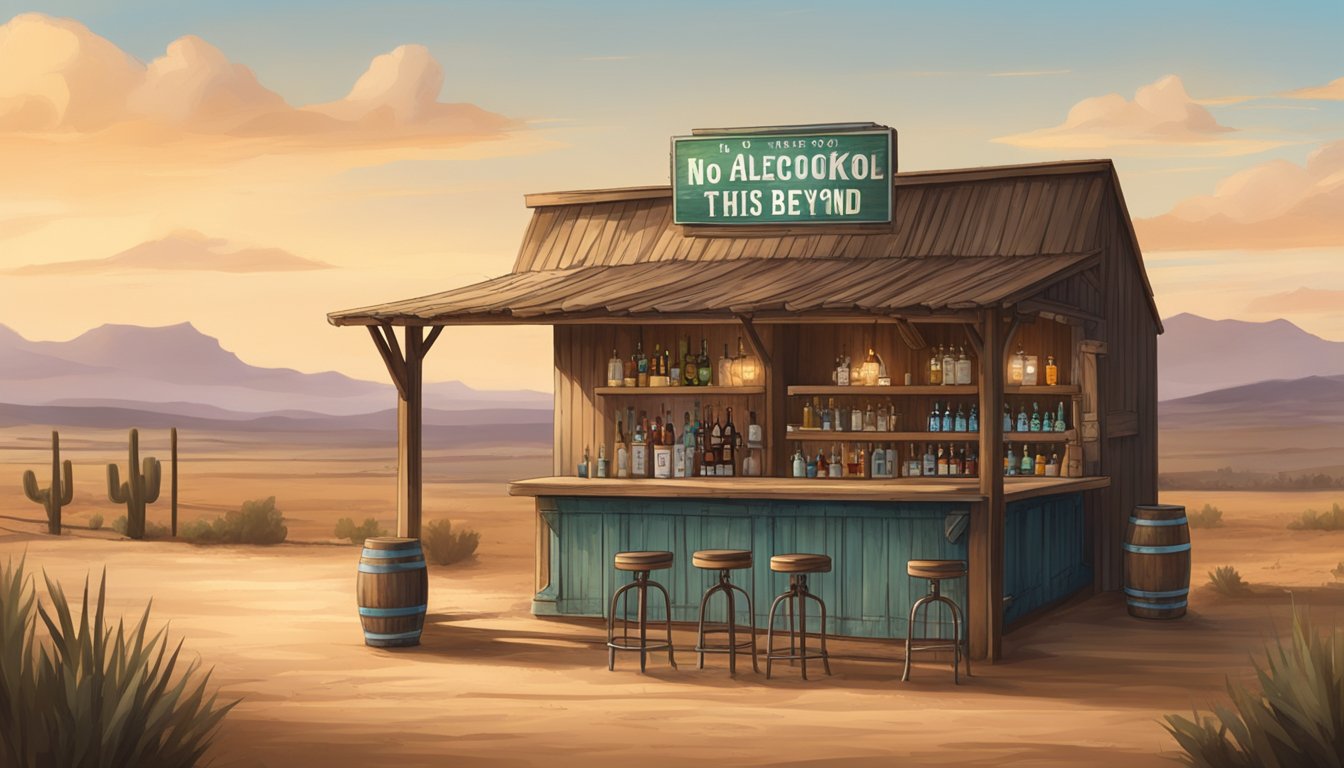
x,y
752,336
985,546
1058,308
431,338
410,478
911,335
395,365
976,340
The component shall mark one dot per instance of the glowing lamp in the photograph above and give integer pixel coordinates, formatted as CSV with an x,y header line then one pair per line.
x,y
871,369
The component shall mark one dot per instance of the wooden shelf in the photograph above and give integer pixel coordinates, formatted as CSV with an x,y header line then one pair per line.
x,y
831,436
675,391
926,390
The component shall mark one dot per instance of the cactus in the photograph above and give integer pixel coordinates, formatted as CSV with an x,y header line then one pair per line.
x,y
173,492
141,487
59,493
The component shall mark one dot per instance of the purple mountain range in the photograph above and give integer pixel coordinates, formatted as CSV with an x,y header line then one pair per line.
x,y
123,365
1198,355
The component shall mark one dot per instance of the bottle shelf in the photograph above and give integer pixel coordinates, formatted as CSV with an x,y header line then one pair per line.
x,y
675,391
927,390
832,436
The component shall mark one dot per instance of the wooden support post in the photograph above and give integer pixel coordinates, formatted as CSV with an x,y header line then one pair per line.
x,y
407,375
986,535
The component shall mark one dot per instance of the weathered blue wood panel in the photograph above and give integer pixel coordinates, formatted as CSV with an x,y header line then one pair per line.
x,y
1046,557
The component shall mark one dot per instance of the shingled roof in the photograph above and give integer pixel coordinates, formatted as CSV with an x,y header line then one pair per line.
x,y
959,239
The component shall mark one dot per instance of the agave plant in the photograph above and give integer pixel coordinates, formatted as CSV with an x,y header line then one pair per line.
x,y
92,695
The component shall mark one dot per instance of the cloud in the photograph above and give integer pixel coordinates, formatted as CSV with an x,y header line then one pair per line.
x,y
60,80
1308,300
1273,205
1331,91
1160,116
183,250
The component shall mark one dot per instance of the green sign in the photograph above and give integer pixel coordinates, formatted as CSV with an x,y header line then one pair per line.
x,y
794,178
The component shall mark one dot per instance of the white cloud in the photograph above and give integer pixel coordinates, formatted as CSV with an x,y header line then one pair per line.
x,y
1161,116
182,250
1331,91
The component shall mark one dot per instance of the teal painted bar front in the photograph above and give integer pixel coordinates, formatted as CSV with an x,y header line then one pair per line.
x,y
867,594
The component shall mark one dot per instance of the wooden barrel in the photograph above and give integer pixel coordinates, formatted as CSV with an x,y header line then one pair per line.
x,y
1157,562
393,589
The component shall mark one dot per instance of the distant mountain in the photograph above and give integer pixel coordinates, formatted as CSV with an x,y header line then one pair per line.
x,y
1197,354
1311,390
179,364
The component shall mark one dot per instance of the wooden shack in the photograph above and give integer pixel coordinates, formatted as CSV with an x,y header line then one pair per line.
x,y
1041,257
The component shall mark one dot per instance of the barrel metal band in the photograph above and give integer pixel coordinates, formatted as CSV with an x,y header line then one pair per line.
x,y
1156,606
1157,523
391,612
387,554
392,635
391,567
1151,595
1144,550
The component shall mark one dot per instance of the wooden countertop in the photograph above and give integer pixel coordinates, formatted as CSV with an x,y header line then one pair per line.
x,y
902,489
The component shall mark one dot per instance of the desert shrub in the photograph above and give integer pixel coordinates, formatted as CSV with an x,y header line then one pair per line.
x,y
1296,718
1338,570
1312,520
256,522
346,529
445,546
1226,581
95,522
153,530
89,694
1208,517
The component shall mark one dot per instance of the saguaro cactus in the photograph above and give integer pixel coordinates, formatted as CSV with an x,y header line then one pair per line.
x,y
141,487
59,493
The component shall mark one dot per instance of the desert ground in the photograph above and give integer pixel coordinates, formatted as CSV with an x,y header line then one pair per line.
x,y
493,686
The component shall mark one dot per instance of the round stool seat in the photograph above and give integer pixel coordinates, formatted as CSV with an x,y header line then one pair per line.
x,y
643,561
722,559
800,563
936,569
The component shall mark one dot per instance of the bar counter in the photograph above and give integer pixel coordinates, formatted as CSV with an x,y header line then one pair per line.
x,y
870,528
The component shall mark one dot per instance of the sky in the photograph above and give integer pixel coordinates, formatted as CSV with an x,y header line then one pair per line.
x,y
250,166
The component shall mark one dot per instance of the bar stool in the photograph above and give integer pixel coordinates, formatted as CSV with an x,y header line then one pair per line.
x,y
936,571
797,566
725,561
639,563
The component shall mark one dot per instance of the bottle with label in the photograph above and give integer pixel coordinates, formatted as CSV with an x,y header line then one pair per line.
x,y
889,458
949,367
728,455
972,467
716,445
709,460
944,469
664,439
959,421
1038,463
883,418
930,468
1052,466
1059,418
1017,367
963,367
1010,462
641,366
842,369
657,373
1007,418
1051,371
870,419
913,466
689,377
1023,422
725,369
826,417
835,469
947,416
799,464
809,421
973,421
683,449
631,374
1047,421
1035,424
935,419
622,453
755,434
855,419
602,469
639,451
615,370
1028,465
936,367
583,463
879,458
703,371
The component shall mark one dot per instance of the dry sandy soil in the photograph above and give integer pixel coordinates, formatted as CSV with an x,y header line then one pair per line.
x,y
491,685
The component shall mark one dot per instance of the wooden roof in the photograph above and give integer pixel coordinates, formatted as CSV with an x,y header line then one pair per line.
x,y
959,239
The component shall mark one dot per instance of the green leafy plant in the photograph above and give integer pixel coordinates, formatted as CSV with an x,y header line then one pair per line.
x,y
1208,517
346,529
89,694
152,529
140,488
59,493
256,522
1312,520
445,546
1296,718
1225,580
95,521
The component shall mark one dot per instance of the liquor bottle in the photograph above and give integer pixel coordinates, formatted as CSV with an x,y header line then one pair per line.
x,y
1017,367
639,451
935,419
959,463
666,367
1010,462
973,421
936,367
1051,371
889,458
809,418
716,445
728,454
602,469
583,463
799,464
641,365
963,367
959,422
725,369
826,417
883,419
861,463
684,452
947,416
631,373
972,467
1023,423
1047,421
662,449
1052,466
930,468
835,469
949,367
622,452
702,374
870,419
657,369
1059,418
615,370
913,466
689,368
823,469
1007,418
1028,466
1035,424
674,371
755,435
856,419
1038,464
842,369
879,465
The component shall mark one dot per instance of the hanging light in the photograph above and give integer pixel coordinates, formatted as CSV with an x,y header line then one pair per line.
x,y
871,369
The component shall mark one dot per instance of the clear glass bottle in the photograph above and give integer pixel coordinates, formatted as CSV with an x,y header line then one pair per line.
x,y
936,367
799,464
1060,426
869,419
841,374
963,367
622,452
935,419
855,419
641,365
959,421
602,469
615,370
973,421
724,377
930,464
947,417
1035,424
883,419
1010,462
1023,421
1052,466
1028,466
827,418
949,367
1007,418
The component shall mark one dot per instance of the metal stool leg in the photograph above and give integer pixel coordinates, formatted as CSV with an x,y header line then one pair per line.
x,y
643,621
751,623
611,624
825,655
667,601
799,591
770,633
732,629
910,635
700,630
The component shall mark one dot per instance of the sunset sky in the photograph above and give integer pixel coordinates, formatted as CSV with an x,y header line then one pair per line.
x,y
250,166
